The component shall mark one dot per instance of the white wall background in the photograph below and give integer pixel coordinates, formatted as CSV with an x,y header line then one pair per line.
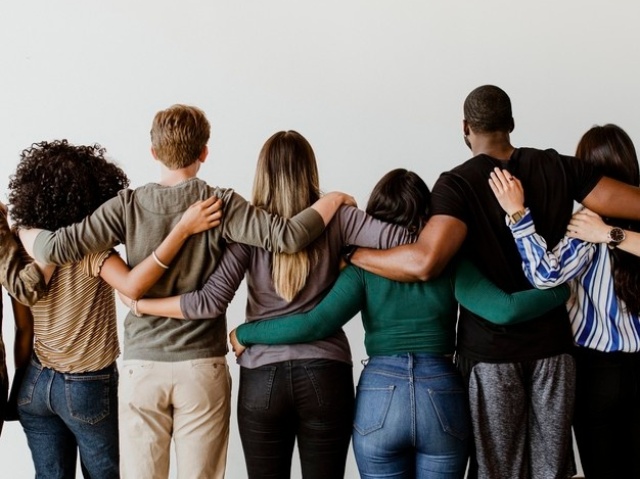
x,y
372,84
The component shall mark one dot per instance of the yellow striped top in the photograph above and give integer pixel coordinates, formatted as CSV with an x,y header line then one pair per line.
x,y
75,326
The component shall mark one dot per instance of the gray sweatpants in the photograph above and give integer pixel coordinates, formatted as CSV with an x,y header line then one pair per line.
x,y
521,415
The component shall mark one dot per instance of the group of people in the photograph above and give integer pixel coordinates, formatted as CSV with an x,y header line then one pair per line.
x,y
481,358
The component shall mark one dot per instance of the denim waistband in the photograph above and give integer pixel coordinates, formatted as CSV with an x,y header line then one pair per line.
x,y
411,361
106,370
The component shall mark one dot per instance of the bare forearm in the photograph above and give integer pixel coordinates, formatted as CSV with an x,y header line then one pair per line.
x,y
631,244
420,261
134,283
163,307
614,199
146,273
23,342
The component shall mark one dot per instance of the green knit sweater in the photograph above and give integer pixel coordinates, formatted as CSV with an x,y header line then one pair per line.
x,y
404,317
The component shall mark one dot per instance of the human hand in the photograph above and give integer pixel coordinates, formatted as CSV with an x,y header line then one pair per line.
x,y
236,347
508,190
201,216
343,198
588,226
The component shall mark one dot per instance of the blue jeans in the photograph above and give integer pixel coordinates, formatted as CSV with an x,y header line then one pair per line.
x,y
63,413
309,400
412,418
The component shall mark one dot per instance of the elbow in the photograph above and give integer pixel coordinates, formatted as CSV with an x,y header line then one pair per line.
x,y
425,268
131,291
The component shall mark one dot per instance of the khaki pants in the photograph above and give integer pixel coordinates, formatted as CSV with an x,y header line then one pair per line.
x,y
189,400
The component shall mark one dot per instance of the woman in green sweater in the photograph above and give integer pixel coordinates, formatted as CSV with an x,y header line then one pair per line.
x,y
411,417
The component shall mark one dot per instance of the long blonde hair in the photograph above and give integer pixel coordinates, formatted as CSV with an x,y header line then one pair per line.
x,y
286,182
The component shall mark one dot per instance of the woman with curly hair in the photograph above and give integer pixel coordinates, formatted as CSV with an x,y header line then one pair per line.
x,y
67,401
604,309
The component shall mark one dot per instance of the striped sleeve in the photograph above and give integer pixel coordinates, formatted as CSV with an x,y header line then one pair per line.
x,y
92,263
545,269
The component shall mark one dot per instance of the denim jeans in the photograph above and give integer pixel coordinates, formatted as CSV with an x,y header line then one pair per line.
x,y
308,400
412,418
63,413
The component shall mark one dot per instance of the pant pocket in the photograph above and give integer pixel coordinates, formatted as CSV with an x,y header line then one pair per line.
x,y
256,386
25,394
372,406
332,382
452,410
90,398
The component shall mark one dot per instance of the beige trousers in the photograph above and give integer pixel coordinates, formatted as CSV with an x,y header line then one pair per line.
x,y
187,400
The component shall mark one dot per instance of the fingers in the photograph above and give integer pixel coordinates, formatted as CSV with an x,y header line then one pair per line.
x,y
210,209
350,201
501,181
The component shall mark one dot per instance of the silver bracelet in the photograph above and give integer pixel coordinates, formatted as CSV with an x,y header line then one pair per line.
x,y
134,308
158,262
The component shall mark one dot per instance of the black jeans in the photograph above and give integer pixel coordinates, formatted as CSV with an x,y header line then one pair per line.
x,y
607,414
308,400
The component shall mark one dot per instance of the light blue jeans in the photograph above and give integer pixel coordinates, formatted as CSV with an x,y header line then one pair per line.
x,y
63,413
412,419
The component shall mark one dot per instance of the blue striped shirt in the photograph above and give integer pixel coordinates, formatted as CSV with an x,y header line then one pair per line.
x,y
599,320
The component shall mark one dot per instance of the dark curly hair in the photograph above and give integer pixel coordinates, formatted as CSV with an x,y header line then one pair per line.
x,y
57,184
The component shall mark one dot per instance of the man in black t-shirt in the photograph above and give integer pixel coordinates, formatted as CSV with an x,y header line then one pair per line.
x,y
521,379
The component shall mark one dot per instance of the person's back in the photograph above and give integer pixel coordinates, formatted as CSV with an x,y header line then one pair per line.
x,y
67,400
411,408
554,181
176,383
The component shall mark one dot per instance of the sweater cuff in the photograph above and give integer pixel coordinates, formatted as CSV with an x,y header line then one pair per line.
x,y
523,227
240,336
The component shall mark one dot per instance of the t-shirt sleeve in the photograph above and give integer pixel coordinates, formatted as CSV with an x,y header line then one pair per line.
x,y
448,198
582,175
92,263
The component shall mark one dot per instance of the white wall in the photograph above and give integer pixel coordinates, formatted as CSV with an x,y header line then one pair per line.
x,y
372,84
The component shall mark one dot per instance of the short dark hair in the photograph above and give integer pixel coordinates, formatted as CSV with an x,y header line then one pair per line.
x,y
57,184
487,109
401,197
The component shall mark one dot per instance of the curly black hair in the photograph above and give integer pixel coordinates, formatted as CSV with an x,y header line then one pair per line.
x,y
57,184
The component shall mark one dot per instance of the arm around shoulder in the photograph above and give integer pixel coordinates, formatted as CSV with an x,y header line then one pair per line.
x,y
423,260
614,199
479,295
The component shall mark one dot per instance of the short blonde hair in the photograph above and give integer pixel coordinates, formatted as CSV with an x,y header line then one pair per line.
x,y
179,134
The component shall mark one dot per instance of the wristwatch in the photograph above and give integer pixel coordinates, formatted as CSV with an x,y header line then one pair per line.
x,y
517,216
615,236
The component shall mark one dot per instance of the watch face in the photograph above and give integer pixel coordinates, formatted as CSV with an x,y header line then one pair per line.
x,y
616,235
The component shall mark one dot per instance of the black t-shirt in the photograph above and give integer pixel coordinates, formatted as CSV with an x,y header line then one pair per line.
x,y
551,183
